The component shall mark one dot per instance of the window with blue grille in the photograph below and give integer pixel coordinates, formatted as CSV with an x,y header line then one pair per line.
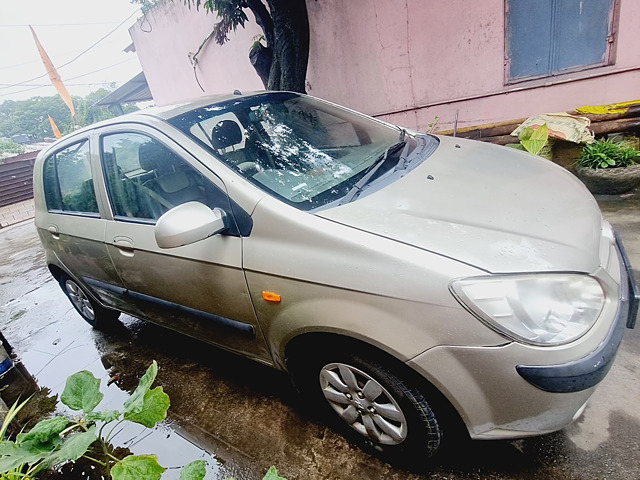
x,y
550,37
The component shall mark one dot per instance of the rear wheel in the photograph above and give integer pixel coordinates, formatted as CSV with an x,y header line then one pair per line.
x,y
89,310
371,405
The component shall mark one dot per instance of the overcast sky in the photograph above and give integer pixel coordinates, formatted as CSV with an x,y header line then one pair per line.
x,y
65,29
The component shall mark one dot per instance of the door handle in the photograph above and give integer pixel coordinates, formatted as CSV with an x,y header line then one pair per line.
x,y
124,246
53,230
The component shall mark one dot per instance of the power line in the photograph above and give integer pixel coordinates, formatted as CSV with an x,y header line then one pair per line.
x,y
8,67
72,78
66,84
54,24
73,59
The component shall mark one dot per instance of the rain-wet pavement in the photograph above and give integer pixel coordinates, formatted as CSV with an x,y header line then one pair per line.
x,y
242,417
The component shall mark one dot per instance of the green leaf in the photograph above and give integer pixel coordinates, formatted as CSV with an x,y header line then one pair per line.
x,y
10,415
137,467
44,432
537,140
135,401
525,133
194,471
105,416
517,146
154,408
82,392
8,448
15,455
72,448
272,474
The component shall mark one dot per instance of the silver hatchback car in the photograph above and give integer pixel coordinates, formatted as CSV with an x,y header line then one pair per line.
x,y
407,282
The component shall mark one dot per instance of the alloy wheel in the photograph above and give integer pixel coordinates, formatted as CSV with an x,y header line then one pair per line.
x,y
363,403
80,300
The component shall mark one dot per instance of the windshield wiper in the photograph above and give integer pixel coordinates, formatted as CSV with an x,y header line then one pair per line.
x,y
371,171
402,163
403,134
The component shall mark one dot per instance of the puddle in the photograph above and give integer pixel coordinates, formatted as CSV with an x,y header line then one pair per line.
x,y
51,342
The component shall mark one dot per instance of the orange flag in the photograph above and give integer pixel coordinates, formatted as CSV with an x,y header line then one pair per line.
x,y
54,127
53,75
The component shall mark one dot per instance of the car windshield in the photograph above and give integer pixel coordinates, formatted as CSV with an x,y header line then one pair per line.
x,y
304,151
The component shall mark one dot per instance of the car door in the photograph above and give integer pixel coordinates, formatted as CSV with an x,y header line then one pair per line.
x,y
198,289
73,228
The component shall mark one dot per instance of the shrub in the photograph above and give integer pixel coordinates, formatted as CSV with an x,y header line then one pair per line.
x,y
606,153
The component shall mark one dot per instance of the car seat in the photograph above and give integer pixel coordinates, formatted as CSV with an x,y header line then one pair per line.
x,y
175,182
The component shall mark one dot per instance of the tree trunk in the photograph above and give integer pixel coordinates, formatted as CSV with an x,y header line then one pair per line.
x,y
291,45
261,58
286,30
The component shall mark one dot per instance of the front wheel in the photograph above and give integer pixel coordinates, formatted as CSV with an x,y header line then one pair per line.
x,y
89,310
375,408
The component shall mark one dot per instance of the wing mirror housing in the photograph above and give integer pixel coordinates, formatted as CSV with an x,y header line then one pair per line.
x,y
189,223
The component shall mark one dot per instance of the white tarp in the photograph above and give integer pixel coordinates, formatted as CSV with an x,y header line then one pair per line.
x,y
561,126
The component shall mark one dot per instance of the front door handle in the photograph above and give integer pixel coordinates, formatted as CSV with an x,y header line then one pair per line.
x,y
53,230
124,246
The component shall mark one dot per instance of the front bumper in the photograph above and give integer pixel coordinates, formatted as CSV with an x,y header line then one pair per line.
x,y
590,370
496,399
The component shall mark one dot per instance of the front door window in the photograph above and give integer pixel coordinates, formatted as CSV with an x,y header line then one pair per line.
x,y
145,178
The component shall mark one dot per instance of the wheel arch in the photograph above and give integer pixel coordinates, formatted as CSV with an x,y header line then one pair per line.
x,y
56,271
306,343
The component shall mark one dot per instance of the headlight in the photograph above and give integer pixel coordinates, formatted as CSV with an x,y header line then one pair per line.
x,y
540,309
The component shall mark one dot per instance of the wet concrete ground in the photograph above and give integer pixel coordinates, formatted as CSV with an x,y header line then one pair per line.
x,y
243,417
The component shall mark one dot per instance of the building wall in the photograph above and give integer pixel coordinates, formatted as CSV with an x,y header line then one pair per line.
x,y
405,61
166,36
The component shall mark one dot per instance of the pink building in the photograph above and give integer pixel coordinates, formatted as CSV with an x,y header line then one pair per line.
x,y
410,61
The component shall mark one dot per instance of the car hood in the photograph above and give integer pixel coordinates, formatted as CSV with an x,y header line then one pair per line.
x,y
496,208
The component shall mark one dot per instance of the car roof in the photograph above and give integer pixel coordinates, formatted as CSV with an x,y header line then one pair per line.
x,y
165,112
169,111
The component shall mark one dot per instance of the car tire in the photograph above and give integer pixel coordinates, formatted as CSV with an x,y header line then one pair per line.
x,y
95,315
370,405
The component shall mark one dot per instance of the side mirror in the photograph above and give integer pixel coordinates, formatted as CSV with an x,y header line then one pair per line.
x,y
189,223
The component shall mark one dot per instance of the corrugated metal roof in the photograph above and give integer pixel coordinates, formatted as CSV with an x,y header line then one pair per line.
x,y
135,90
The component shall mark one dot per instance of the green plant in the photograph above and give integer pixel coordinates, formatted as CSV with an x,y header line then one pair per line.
x,y
606,153
16,472
432,126
9,147
272,474
57,440
534,140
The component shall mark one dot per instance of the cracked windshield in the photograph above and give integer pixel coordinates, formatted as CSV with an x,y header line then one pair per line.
x,y
306,152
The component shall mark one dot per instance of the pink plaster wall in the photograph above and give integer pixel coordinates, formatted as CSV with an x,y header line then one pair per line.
x,y
406,61
163,41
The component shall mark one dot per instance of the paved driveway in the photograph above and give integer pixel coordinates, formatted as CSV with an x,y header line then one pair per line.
x,y
243,417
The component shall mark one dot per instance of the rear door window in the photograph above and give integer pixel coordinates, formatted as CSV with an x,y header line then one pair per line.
x,y
68,184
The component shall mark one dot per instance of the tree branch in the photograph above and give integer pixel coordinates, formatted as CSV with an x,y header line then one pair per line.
x,y
263,19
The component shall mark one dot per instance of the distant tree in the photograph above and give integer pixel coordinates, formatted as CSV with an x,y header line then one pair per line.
x,y
31,116
282,62
9,148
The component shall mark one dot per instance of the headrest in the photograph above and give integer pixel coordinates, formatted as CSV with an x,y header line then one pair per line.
x,y
155,156
225,134
148,154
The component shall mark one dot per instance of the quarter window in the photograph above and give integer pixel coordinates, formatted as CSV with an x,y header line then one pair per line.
x,y
145,178
550,37
68,185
